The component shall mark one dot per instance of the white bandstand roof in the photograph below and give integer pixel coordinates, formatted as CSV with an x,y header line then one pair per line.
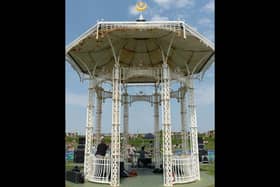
x,y
140,44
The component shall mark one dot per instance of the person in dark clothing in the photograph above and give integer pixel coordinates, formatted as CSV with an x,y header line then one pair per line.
x,y
101,148
100,154
142,158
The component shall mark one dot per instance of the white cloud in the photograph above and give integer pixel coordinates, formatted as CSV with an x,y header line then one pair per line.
x,y
133,11
171,3
157,17
204,94
204,21
209,7
76,99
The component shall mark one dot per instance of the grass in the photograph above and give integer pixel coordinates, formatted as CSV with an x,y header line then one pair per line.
x,y
69,164
69,139
209,168
139,142
211,143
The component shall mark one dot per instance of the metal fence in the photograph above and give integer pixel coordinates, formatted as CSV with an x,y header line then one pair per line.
x,y
101,169
182,169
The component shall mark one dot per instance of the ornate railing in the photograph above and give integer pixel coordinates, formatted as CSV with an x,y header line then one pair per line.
x,y
175,26
182,169
130,72
101,169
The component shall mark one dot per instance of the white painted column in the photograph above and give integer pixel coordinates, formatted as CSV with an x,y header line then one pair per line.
x,y
183,122
156,131
167,143
89,131
125,128
98,115
193,130
115,138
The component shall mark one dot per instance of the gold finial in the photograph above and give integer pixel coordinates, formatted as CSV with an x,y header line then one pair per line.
x,y
141,6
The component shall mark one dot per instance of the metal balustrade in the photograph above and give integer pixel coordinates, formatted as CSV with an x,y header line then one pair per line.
x,y
175,26
101,169
182,169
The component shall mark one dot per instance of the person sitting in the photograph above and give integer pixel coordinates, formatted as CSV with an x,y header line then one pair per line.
x,y
132,154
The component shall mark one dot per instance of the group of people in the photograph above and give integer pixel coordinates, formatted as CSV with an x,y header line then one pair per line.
x,y
132,153
143,159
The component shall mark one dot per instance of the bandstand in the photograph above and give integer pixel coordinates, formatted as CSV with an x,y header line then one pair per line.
x,y
144,53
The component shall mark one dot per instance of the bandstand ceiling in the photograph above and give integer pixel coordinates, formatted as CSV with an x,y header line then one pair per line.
x,y
140,46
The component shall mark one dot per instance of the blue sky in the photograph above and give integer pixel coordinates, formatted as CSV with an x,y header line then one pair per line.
x,y
81,15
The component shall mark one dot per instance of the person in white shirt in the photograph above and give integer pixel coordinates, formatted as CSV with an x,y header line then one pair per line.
x,y
132,154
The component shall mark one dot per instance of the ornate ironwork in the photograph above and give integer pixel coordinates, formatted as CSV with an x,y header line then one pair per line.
x,y
99,94
89,130
125,127
115,138
183,121
130,72
156,130
193,129
167,143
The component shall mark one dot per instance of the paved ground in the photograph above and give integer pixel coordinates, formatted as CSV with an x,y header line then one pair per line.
x,y
146,178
